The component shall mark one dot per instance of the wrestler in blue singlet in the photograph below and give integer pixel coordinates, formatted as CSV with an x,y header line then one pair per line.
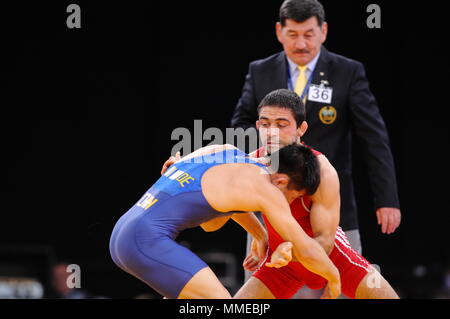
x,y
143,240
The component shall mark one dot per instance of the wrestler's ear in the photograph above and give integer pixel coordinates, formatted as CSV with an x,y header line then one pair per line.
x,y
280,180
301,130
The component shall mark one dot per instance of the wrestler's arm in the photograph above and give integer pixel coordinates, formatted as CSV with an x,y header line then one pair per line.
x,y
325,209
251,224
215,224
200,152
307,251
324,214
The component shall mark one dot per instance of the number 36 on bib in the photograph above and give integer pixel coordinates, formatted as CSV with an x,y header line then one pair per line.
x,y
320,94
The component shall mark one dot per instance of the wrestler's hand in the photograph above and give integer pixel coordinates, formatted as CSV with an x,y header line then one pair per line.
x,y
332,290
281,256
260,248
257,254
170,161
262,160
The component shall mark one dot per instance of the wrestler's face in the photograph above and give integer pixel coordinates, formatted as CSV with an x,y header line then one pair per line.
x,y
281,181
302,40
277,128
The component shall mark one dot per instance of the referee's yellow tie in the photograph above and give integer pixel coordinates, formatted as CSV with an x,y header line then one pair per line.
x,y
301,82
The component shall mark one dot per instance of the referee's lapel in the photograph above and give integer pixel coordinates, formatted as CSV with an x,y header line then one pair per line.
x,y
321,69
280,78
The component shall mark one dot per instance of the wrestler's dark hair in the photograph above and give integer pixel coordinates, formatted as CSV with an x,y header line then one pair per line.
x,y
301,10
285,99
300,164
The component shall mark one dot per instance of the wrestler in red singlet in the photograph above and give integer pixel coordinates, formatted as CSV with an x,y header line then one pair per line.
x,y
284,282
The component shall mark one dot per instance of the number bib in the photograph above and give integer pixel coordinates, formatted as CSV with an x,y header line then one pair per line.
x,y
320,94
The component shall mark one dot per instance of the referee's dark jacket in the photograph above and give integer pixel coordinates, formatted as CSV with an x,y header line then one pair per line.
x,y
353,110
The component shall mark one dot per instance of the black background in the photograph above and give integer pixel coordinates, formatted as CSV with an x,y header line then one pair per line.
x,y
87,116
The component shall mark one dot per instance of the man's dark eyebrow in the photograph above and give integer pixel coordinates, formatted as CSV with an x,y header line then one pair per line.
x,y
310,30
277,119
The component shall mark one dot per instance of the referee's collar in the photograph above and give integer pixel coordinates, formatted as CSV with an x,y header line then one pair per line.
x,y
293,67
